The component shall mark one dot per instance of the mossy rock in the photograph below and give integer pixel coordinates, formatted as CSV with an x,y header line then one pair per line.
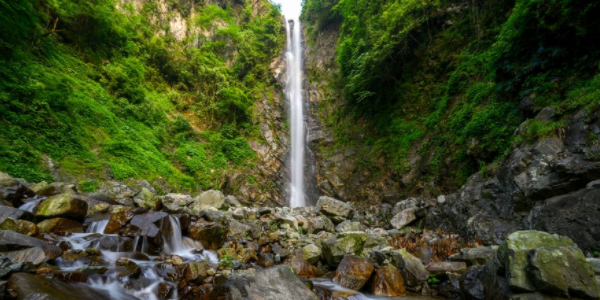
x,y
62,206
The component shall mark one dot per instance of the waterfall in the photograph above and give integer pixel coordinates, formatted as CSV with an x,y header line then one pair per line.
x,y
294,93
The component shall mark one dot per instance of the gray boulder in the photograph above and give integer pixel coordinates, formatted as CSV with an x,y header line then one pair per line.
x,y
350,226
336,210
412,269
176,202
147,199
404,218
22,248
207,200
62,206
14,192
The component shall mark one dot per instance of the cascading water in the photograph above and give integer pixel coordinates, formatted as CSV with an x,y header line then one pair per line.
x,y
294,93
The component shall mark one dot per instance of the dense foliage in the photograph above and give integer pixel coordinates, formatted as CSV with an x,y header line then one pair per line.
x,y
107,90
452,79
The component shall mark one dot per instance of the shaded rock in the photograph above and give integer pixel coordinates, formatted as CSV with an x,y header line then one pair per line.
x,y
70,276
353,272
412,269
207,200
267,260
20,226
146,199
14,192
311,253
176,202
117,222
21,248
563,271
594,264
404,218
440,268
211,235
60,226
349,226
48,190
212,215
231,201
388,281
336,210
27,286
149,223
62,206
7,212
349,243
471,284
474,256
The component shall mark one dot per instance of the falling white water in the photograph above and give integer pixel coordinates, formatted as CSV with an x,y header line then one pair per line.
x,y
294,93
97,227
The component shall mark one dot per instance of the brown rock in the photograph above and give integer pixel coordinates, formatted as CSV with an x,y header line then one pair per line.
x,y
353,272
211,235
388,281
304,269
20,226
60,226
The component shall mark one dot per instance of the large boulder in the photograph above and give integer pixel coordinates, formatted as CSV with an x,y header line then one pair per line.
x,y
349,243
62,206
318,224
336,210
278,283
348,225
311,253
387,281
34,287
211,235
22,248
207,200
14,192
45,189
533,263
413,271
353,272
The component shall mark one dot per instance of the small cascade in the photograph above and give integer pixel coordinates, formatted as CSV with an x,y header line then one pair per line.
x,y
31,204
329,285
173,243
97,227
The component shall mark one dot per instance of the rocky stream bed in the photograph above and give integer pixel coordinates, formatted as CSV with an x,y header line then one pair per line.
x,y
126,242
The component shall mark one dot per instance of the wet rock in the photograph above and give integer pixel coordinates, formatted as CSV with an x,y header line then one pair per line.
x,y
349,243
207,200
60,226
404,218
211,235
474,256
562,271
7,267
412,269
22,248
353,272
147,199
176,202
471,284
117,222
62,206
349,226
440,268
14,213
148,223
14,192
388,281
20,226
336,210
311,253
27,286
70,276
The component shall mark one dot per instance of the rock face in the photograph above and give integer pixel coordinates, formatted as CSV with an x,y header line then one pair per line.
x,y
336,210
538,262
62,206
542,186
22,248
353,272
388,281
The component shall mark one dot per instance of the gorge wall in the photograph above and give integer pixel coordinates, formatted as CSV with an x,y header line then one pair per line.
x,y
488,140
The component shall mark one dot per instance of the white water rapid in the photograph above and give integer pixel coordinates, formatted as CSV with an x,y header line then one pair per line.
x,y
294,93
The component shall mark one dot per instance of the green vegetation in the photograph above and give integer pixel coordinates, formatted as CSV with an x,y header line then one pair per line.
x,y
451,81
107,92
